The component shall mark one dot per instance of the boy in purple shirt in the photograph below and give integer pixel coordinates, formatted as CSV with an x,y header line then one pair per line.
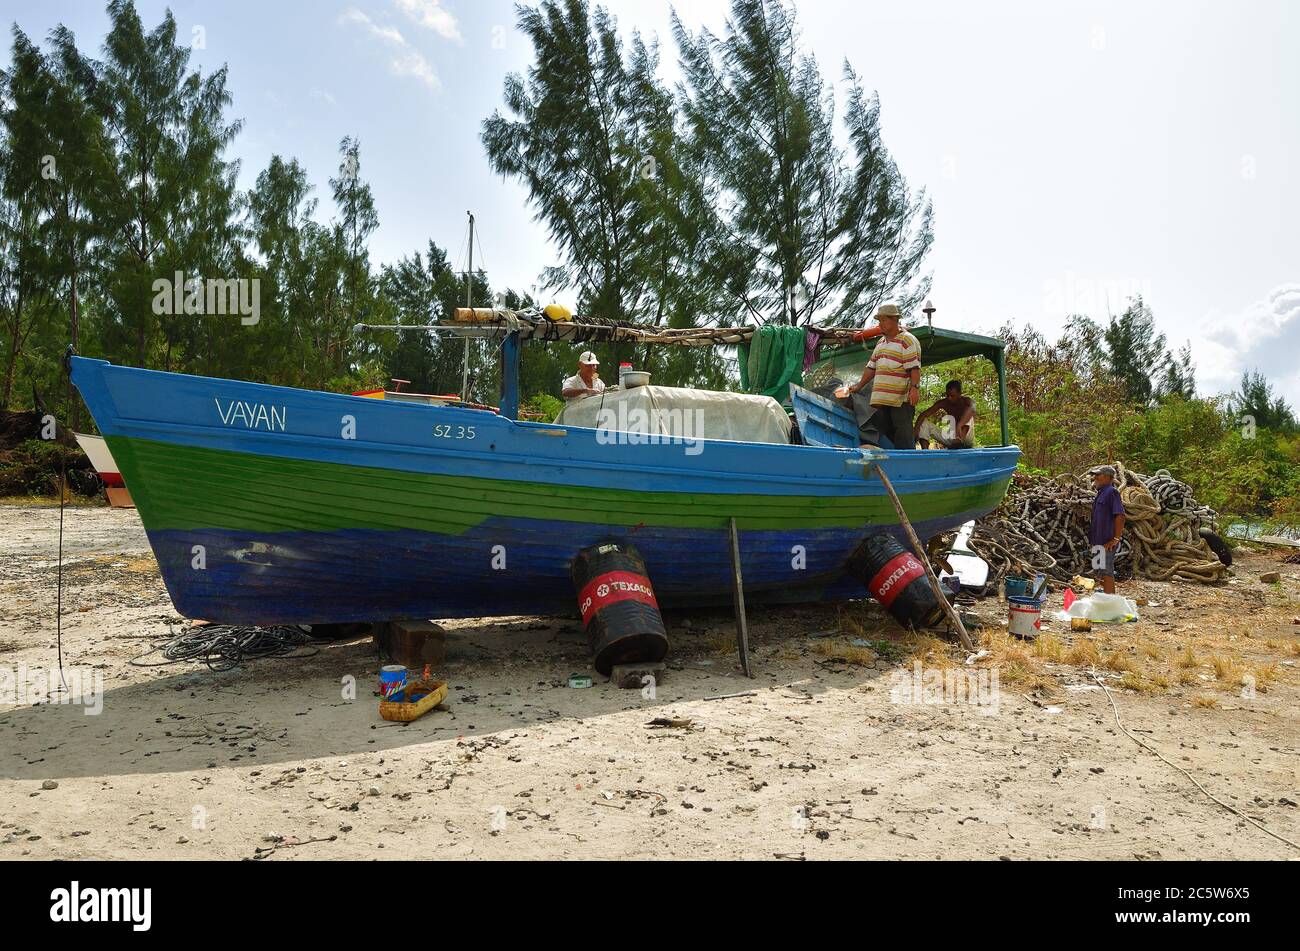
x,y
1107,526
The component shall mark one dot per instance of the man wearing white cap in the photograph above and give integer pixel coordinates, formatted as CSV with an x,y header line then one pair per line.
x,y
586,382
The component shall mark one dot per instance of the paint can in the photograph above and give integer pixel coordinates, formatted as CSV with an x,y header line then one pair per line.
x,y
1026,617
1017,587
392,681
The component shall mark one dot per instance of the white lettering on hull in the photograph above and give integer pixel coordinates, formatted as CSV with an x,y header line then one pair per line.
x,y
239,414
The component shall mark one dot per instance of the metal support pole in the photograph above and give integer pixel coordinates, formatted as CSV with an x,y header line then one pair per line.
x,y
510,375
738,598
1000,362
469,302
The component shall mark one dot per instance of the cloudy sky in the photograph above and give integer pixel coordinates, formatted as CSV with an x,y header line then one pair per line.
x,y
1077,153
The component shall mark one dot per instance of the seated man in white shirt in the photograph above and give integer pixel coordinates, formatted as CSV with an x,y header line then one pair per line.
x,y
586,382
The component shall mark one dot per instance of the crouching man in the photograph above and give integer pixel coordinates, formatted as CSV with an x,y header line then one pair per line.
x,y
950,422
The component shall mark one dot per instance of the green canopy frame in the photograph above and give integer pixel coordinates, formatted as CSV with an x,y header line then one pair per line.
x,y
937,346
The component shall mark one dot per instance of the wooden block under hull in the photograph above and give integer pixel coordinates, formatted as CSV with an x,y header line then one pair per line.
x,y
412,643
119,498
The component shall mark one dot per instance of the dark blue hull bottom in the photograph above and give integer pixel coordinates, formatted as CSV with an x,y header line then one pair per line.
x,y
507,566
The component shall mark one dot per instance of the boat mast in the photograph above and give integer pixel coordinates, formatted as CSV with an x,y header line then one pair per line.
x,y
469,302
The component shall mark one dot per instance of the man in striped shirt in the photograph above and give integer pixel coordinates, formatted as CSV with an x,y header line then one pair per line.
x,y
894,373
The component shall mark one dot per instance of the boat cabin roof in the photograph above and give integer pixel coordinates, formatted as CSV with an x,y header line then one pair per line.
x,y
512,328
937,346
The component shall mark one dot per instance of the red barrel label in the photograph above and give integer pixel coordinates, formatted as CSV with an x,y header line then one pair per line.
x,y
894,577
610,588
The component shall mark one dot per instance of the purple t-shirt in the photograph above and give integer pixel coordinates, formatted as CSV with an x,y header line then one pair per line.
x,y
1104,509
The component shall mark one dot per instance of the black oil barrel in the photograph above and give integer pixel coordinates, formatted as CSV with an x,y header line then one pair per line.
x,y
618,607
896,578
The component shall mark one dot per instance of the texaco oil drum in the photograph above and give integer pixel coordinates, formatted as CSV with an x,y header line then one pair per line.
x,y
896,578
618,606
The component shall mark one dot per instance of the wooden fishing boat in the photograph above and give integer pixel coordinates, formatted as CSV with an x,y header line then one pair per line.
x,y
268,505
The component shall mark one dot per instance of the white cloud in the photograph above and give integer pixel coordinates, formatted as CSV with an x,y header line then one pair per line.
x,y
432,14
1264,337
324,95
406,59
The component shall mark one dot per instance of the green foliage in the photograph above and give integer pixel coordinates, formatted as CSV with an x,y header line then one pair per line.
x,y
32,467
801,230
1256,404
729,201
1066,417
735,196
543,406
583,132
1129,350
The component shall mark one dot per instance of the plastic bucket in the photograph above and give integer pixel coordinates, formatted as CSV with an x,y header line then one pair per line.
x,y
1026,617
392,680
1018,587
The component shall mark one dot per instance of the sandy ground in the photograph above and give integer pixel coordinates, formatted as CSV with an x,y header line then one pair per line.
x,y
823,760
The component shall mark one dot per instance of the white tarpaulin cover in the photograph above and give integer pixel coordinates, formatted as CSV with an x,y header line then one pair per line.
x,y
689,414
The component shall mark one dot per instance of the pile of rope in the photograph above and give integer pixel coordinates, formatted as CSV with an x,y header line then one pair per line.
x,y
227,646
1042,525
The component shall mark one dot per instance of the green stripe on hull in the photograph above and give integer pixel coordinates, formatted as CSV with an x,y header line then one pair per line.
x,y
184,487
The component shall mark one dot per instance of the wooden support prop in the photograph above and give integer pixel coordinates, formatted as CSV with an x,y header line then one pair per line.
x,y
966,642
412,643
738,597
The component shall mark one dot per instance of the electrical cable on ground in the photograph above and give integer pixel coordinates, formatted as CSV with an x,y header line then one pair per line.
x,y
1151,749
227,646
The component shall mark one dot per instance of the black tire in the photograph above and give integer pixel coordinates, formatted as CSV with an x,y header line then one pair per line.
x,y
1218,546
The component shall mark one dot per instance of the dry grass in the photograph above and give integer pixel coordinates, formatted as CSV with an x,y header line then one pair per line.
x,y
1083,653
1120,663
1226,669
1051,648
840,649
1136,682
1207,643
720,642
1016,660
1266,675
930,650
1208,703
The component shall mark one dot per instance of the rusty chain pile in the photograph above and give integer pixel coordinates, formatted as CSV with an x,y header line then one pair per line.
x,y
1042,525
